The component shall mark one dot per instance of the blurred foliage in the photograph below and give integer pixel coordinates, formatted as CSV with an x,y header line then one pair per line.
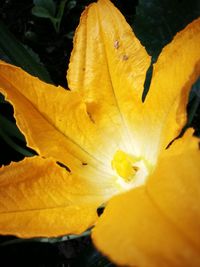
x,y
194,108
37,35
52,10
12,51
156,21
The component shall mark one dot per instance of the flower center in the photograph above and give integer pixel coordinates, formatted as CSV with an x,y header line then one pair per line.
x,y
123,164
131,171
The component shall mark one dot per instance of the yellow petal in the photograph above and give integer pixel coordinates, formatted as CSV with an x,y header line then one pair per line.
x,y
39,198
177,68
186,143
108,67
177,192
54,121
161,221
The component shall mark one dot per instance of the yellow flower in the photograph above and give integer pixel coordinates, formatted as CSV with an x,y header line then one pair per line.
x,y
113,145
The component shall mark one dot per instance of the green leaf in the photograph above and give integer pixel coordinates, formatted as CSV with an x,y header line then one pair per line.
x,y
14,145
41,12
18,55
2,100
45,240
44,13
48,5
61,9
95,259
59,15
10,128
196,88
90,257
156,22
71,4
194,102
70,35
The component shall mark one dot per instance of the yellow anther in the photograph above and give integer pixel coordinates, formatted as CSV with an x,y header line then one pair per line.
x,y
123,164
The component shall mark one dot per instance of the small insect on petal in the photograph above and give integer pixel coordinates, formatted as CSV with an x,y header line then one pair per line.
x,y
125,57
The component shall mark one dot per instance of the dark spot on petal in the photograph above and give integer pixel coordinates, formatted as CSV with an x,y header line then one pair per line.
x,y
90,116
125,57
63,166
92,108
84,163
135,168
116,44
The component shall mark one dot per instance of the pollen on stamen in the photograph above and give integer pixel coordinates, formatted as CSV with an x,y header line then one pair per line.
x,y
123,164
130,171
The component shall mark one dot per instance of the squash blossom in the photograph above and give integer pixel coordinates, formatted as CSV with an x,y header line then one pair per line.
x,y
98,143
